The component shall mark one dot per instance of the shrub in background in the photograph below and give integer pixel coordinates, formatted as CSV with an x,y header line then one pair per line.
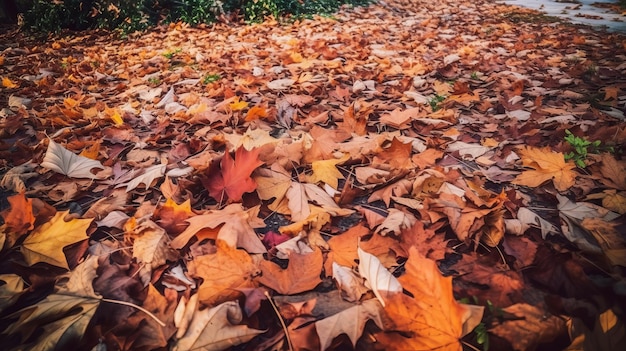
x,y
131,15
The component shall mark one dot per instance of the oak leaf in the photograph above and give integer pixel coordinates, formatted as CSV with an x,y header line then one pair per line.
x,y
61,160
46,242
216,329
546,165
233,179
302,274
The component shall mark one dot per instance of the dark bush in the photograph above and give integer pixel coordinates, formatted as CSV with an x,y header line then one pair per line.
x,y
128,15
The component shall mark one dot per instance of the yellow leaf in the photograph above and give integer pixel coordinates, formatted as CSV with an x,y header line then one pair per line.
x,y
117,118
70,103
46,242
237,105
8,83
614,201
547,165
326,171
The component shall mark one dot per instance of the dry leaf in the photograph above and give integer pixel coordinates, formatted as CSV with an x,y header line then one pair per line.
x,y
63,161
547,165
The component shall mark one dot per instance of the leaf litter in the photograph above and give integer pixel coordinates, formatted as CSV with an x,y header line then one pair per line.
x,y
390,178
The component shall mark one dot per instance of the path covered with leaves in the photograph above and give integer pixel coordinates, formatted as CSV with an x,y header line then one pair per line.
x,y
391,178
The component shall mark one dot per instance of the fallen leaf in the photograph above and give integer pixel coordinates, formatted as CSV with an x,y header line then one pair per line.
x,y
350,321
379,279
302,273
63,161
547,165
46,242
233,178
326,171
216,329
532,327
19,218
432,319
222,272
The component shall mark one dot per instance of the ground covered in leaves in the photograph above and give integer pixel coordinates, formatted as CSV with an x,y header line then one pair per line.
x,y
413,175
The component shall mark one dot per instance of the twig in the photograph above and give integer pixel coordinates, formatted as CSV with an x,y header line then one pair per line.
x,y
156,319
280,318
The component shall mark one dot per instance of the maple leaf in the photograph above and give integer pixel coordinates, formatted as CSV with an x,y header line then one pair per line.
x,y
350,321
326,171
547,165
19,218
216,329
237,228
302,273
46,242
222,272
533,327
233,179
63,161
397,155
432,318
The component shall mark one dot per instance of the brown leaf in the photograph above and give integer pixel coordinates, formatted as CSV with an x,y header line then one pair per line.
x,y
223,272
302,273
532,327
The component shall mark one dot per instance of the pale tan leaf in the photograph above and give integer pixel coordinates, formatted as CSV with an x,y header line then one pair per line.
x,y
63,161
216,329
378,277
350,322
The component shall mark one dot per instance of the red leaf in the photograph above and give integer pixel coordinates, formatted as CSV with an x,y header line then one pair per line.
x,y
234,179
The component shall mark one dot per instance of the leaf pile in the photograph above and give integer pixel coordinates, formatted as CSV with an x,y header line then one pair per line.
x,y
304,186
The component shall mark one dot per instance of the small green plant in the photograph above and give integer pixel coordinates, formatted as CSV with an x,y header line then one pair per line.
x,y
154,80
435,102
482,337
475,75
210,78
170,54
582,148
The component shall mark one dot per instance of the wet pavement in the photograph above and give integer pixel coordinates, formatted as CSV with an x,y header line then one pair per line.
x,y
579,11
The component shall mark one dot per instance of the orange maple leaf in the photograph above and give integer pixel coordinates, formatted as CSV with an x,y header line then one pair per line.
x,y
302,274
547,165
19,218
432,319
234,179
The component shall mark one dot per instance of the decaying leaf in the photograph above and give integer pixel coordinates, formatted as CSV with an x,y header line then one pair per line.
x,y
63,161
215,329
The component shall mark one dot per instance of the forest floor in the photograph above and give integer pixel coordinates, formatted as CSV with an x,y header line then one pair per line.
x,y
411,175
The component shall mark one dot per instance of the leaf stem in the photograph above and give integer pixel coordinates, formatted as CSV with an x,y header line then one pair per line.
x,y
150,314
470,345
280,318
